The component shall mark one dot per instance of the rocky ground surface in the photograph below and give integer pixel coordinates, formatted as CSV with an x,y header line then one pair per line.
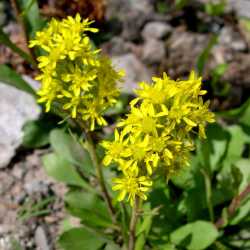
x,y
144,42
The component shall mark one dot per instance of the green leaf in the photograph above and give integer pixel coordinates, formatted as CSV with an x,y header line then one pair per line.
x,y
140,242
179,4
112,246
215,9
211,151
203,57
31,16
241,213
10,77
185,178
70,149
195,236
238,138
88,207
80,239
4,39
61,170
244,166
36,132
240,114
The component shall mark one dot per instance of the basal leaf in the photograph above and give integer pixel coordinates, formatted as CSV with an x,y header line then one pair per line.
x,y
62,170
80,239
70,149
10,77
195,236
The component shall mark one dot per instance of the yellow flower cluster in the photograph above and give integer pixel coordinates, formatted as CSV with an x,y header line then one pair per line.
x,y
156,135
74,75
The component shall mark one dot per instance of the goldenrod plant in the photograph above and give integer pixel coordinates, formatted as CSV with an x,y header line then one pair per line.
x,y
146,153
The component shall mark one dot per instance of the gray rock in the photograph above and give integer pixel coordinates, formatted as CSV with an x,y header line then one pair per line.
x,y
132,13
36,186
134,69
16,107
116,46
241,7
232,39
41,239
122,8
153,51
6,181
155,30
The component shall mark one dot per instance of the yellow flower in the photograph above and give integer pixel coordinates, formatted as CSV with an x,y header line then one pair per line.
x,y
132,185
73,73
115,149
143,119
157,132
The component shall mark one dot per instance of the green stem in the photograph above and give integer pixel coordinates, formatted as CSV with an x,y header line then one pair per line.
x,y
99,174
208,194
132,227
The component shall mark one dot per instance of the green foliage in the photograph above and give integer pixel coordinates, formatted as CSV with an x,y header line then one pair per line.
x,y
31,16
204,56
33,208
10,77
219,87
81,239
89,208
62,170
161,6
36,132
179,214
195,236
69,148
215,9
179,4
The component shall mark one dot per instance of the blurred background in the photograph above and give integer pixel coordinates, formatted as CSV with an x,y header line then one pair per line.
x,y
145,38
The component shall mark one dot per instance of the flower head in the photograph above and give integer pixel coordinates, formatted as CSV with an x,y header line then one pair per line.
x,y
157,133
73,73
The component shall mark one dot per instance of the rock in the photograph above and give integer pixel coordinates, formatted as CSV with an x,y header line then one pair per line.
x,y
16,108
155,30
231,39
132,25
134,69
183,49
18,171
116,46
122,8
153,51
6,181
241,7
36,186
41,239
133,15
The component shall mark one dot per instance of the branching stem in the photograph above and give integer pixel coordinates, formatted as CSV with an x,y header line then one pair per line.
x,y
132,227
99,173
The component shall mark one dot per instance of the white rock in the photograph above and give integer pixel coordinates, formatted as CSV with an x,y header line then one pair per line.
x,y
232,39
41,239
241,7
134,69
16,107
155,30
153,51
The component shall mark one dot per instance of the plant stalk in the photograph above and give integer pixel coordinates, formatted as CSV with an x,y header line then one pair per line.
x,y
132,227
99,173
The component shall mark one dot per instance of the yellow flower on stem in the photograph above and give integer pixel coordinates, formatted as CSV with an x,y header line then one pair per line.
x,y
132,185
